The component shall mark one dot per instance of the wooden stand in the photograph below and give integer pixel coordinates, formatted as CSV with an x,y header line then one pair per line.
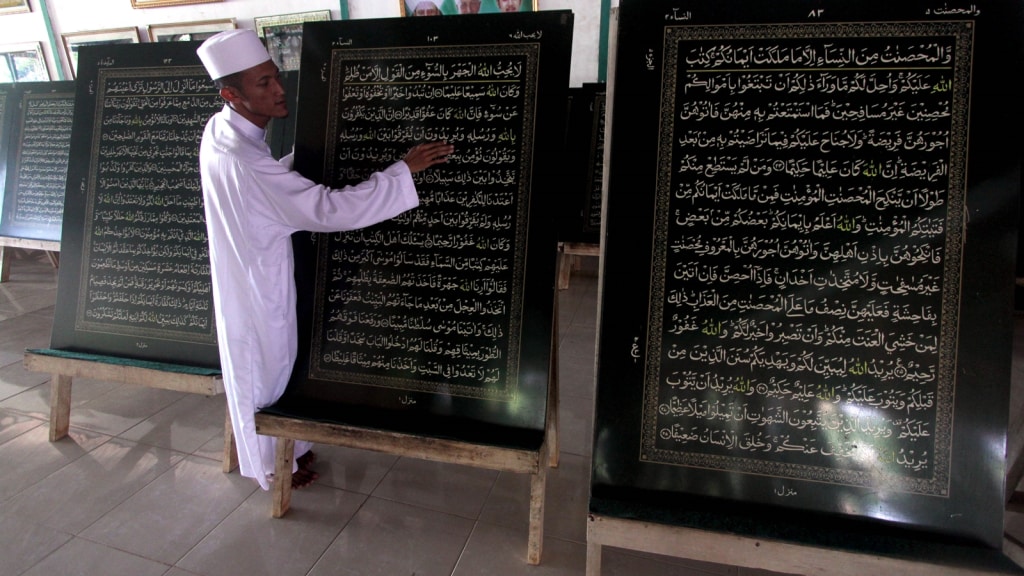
x,y
748,552
288,429
52,251
567,254
65,369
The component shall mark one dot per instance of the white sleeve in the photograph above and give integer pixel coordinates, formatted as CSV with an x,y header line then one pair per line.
x,y
297,202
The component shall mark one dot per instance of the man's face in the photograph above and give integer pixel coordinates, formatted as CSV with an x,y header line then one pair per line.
x,y
469,6
260,96
509,5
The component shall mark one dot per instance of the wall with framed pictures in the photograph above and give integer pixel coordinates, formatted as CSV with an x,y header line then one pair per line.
x,y
23,21
23,63
14,6
76,40
451,7
282,34
186,31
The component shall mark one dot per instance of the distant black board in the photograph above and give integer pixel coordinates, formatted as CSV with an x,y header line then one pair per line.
x,y
580,219
443,314
40,137
6,117
134,279
809,260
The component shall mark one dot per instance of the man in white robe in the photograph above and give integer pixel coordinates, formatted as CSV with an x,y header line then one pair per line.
x,y
253,205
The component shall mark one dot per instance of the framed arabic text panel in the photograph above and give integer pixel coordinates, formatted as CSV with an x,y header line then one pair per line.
x,y
33,197
134,279
827,234
446,310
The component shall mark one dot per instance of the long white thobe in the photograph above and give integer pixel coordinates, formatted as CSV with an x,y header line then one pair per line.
x,y
253,205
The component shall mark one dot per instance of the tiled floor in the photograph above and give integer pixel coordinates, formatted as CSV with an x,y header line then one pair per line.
x,y
137,488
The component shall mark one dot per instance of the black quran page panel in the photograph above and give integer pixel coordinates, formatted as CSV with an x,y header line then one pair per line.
x,y
809,256
40,137
6,117
580,219
444,313
134,279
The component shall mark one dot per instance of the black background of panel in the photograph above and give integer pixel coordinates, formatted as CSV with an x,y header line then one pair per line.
x,y
7,113
432,403
800,485
134,279
580,219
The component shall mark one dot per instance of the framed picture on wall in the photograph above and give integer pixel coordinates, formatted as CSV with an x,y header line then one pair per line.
x,y
75,40
14,6
184,31
440,7
297,18
23,63
283,35
158,3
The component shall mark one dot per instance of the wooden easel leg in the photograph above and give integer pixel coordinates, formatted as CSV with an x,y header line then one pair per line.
x,y
5,264
283,476
552,420
593,558
564,268
230,456
60,406
538,488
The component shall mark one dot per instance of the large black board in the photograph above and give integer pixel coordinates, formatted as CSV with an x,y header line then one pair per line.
x,y
442,316
6,117
134,279
580,219
821,203
32,200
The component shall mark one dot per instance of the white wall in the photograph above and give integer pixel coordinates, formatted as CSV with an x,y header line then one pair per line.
x,y
82,15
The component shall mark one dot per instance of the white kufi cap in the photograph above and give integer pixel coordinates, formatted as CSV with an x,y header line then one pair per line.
x,y
232,51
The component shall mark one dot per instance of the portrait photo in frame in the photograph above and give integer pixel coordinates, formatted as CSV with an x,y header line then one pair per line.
x,y
185,31
14,6
75,40
282,35
447,7
23,63
159,3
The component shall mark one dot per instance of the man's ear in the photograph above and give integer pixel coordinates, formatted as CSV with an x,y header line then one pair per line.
x,y
230,94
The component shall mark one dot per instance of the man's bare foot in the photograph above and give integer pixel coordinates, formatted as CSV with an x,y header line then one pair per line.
x,y
305,475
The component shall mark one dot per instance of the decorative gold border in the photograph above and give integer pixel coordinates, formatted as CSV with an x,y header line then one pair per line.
x,y
159,3
531,52
72,39
81,322
531,4
938,485
597,134
155,31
